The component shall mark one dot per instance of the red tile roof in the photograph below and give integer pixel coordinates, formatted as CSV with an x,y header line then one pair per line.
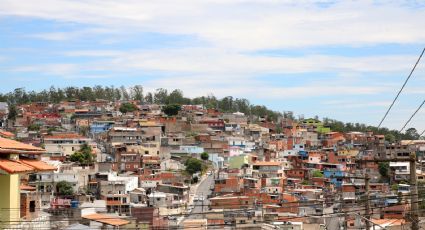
x,y
6,134
12,167
114,221
39,165
27,187
11,146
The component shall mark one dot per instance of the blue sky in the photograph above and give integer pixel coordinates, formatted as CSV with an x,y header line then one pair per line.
x,y
338,59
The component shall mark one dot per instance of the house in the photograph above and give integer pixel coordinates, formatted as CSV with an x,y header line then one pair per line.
x,y
65,144
16,159
215,124
149,217
227,185
396,211
125,136
127,161
400,170
97,127
232,202
262,169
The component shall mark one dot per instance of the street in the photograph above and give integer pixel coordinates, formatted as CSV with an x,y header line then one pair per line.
x,y
202,190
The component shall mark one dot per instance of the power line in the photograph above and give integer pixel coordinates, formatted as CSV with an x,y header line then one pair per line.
x,y
407,122
401,89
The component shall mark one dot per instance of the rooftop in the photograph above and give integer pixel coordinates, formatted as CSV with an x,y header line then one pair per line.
x,y
106,219
11,166
64,136
10,146
267,163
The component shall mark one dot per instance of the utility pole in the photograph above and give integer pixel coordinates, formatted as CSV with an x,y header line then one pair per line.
x,y
202,199
367,179
414,193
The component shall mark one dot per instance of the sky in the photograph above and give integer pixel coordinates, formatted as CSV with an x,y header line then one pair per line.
x,y
339,59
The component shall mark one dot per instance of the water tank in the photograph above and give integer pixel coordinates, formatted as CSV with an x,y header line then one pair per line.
x,y
74,204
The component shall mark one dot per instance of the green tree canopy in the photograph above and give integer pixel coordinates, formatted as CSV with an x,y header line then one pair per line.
x,y
171,110
64,188
127,107
390,137
204,156
34,127
412,133
84,156
193,165
317,173
383,169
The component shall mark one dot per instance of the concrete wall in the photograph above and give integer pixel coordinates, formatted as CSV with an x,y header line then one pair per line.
x,y
10,197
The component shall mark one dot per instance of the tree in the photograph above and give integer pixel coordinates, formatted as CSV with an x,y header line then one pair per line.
x,y
204,156
394,187
83,156
124,93
193,165
64,188
176,97
317,173
34,127
149,98
390,137
171,110
305,182
12,112
137,93
412,133
160,96
127,107
383,169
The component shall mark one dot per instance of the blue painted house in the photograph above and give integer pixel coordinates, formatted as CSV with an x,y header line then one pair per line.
x,y
101,126
337,173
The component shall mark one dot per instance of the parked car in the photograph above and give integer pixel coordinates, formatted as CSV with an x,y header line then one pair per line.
x,y
198,198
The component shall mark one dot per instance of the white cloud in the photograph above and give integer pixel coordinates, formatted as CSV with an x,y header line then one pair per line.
x,y
242,25
61,69
70,35
237,86
346,104
220,61
94,53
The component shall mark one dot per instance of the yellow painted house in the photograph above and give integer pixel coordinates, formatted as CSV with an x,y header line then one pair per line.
x,y
16,158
